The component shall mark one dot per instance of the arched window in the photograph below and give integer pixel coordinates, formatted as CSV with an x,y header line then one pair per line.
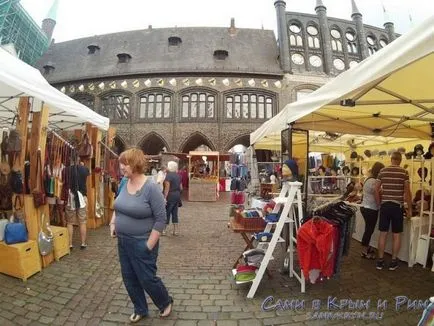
x,y
249,105
312,38
351,41
336,40
155,105
198,105
295,38
372,44
86,100
116,106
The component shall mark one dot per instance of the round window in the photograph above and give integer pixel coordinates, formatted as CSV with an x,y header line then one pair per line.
x,y
312,30
339,64
383,43
350,36
335,33
297,58
353,63
315,61
370,40
294,28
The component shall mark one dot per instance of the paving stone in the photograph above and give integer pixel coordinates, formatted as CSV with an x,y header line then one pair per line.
x,y
186,323
227,323
249,322
192,315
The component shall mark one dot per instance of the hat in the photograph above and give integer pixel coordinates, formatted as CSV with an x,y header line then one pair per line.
x,y
374,152
418,148
391,151
401,150
428,155
409,155
367,153
354,155
292,166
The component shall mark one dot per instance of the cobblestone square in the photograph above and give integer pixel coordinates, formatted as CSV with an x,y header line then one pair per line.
x,y
86,287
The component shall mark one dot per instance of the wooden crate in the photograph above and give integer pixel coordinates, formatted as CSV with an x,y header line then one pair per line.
x,y
20,260
61,242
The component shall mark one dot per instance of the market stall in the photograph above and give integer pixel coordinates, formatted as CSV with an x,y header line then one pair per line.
x,y
29,103
203,176
388,95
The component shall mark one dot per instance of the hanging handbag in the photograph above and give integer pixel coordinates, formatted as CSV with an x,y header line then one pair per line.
x,y
45,239
18,210
99,211
15,232
38,193
85,149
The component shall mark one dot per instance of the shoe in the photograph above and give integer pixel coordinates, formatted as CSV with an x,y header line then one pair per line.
x,y
168,310
83,246
175,230
380,264
367,255
393,265
134,318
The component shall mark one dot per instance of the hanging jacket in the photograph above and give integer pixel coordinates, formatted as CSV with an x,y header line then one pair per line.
x,y
316,248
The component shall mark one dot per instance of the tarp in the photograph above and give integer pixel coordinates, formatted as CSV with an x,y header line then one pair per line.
x,y
389,94
19,79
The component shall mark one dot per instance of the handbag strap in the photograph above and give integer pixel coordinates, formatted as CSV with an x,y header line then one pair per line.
x,y
18,200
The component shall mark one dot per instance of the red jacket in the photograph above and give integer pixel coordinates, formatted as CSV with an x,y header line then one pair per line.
x,y
316,248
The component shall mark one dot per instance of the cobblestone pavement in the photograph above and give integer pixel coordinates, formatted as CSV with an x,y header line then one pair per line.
x,y
86,288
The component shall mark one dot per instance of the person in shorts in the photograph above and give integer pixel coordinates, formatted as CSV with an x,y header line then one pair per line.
x,y
78,175
392,189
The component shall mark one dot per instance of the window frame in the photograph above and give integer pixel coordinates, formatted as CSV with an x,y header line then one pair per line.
x,y
114,94
256,98
155,92
203,98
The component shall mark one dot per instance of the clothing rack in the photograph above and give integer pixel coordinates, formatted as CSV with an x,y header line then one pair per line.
x,y
326,205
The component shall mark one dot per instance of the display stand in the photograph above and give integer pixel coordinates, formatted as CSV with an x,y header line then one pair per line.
x,y
289,198
425,235
203,187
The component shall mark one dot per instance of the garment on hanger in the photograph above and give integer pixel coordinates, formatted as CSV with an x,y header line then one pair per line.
x,y
326,238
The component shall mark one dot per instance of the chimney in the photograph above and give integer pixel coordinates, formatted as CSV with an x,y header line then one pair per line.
x,y
150,27
232,29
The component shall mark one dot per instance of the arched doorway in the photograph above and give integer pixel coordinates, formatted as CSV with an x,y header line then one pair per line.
x,y
197,141
118,145
238,144
153,144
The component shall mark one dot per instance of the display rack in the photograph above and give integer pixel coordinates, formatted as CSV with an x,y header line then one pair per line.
x,y
290,199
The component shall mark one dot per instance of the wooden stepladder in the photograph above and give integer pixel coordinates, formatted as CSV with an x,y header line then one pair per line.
x,y
290,198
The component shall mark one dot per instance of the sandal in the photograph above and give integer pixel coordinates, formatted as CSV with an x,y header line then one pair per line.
x,y
168,310
367,255
134,318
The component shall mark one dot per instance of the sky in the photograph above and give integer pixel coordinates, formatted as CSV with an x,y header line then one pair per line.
x,y
81,18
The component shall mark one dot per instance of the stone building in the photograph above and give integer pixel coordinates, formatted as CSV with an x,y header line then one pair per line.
x,y
181,88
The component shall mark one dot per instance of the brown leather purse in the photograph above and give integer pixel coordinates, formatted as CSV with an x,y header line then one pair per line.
x,y
39,197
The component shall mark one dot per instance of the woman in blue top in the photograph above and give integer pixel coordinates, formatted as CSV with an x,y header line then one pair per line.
x,y
138,220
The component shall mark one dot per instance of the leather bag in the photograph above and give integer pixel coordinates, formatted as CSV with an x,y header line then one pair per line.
x,y
38,193
85,150
14,143
45,239
15,232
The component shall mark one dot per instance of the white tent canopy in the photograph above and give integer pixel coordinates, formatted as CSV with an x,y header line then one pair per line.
x,y
19,79
389,94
